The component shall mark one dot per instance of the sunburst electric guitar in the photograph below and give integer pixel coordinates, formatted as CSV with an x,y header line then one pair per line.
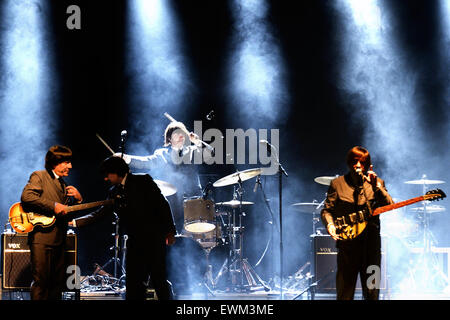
x,y
351,225
24,222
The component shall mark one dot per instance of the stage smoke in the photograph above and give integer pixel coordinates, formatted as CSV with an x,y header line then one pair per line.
x,y
256,71
28,93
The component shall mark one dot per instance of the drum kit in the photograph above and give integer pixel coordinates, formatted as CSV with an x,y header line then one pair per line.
x,y
213,233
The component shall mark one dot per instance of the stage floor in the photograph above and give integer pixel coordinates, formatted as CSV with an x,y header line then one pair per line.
x,y
255,296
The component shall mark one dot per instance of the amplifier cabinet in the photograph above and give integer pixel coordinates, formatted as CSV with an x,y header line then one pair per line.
x,y
16,265
325,265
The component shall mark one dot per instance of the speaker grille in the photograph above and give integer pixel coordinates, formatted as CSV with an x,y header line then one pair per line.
x,y
16,266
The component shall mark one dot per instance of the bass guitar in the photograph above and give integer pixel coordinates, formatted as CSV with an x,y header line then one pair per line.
x,y
351,225
24,222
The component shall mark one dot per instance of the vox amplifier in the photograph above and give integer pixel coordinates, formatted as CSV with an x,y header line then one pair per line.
x,y
16,266
325,265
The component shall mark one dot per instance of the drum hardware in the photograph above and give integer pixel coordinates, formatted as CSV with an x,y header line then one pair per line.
x,y
237,267
166,188
429,208
237,177
325,180
424,181
427,272
314,208
234,203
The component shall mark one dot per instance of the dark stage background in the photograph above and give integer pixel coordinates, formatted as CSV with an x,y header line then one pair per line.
x,y
319,118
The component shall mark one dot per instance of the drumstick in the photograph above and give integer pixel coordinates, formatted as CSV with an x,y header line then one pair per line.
x,y
106,145
168,116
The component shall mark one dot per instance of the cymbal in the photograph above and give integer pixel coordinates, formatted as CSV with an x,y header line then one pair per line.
x,y
234,203
326,180
306,207
234,178
166,188
429,208
424,181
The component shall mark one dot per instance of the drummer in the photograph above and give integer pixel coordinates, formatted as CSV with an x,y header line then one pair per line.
x,y
174,163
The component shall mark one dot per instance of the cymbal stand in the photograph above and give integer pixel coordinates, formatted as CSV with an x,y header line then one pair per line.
x,y
427,267
240,265
316,215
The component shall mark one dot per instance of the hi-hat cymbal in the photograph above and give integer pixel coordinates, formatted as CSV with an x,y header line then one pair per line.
x,y
237,177
424,181
234,203
432,208
166,188
307,207
326,180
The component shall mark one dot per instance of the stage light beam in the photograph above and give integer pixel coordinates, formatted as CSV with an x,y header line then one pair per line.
x,y
381,87
28,93
157,69
256,70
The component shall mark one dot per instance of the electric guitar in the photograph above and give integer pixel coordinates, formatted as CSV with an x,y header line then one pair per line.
x,y
351,225
24,222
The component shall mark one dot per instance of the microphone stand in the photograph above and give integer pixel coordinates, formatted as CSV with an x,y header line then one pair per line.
x,y
281,171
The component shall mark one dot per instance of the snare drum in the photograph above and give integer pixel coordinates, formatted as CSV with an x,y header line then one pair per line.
x,y
199,215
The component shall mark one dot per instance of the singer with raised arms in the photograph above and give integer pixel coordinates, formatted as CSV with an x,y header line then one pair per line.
x,y
359,189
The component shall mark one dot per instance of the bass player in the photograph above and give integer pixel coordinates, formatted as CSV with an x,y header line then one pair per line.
x,y
359,189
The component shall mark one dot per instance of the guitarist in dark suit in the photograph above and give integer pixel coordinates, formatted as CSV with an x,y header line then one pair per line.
x,y
46,193
359,189
146,218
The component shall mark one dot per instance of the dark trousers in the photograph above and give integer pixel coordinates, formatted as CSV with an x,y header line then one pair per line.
x,y
355,257
142,262
47,267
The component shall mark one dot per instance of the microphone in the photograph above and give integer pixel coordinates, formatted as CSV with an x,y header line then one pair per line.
x,y
123,134
210,115
360,174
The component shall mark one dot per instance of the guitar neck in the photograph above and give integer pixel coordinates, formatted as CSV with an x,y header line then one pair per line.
x,y
89,205
397,205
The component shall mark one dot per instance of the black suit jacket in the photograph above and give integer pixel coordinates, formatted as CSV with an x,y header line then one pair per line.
x,y
39,195
146,214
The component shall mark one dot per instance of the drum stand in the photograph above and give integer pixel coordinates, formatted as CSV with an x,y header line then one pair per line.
x,y
239,266
427,272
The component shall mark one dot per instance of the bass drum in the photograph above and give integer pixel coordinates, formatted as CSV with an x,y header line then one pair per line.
x,y
186,265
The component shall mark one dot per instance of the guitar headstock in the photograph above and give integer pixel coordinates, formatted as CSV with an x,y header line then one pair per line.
x,y
436,194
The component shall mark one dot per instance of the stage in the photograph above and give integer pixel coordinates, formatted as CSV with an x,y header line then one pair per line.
x,y
270,96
